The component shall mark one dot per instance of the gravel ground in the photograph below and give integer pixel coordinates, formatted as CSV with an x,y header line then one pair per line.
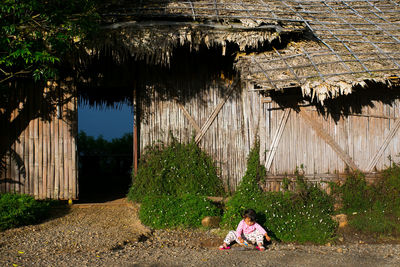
x,y
112,235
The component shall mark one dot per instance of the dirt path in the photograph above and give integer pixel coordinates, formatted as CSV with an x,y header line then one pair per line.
x,y
112,235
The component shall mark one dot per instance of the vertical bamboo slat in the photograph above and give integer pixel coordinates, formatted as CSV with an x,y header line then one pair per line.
x,y
44,167
31,154
60,168
52,160
40,159
74,161
56,159
65,154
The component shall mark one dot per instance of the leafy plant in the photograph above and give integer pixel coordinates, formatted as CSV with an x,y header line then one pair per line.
x,y
248,193
172,212
355,193
301,216
175,170
17,210
36,35
374,208
290,219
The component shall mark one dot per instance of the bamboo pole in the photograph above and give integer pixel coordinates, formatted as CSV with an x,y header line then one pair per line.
x,y
135,134
36,156
51,164
56,159
65,154
61,130
45,140
74,124
14,179
26,153
31,151
40,159
70,108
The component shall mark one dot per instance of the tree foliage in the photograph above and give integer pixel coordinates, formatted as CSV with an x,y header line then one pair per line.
x,y
35,35
37,38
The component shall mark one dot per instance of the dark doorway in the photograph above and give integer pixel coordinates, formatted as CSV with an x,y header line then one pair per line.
x,y
105,149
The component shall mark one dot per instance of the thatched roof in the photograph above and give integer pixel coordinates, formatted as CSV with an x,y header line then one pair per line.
x,y
342,43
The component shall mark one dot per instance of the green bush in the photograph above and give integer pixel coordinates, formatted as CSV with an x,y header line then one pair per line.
x,y
374,209
301,216
248,194
173,212
291,219
356,195
388,188
372,220
18,210
175,170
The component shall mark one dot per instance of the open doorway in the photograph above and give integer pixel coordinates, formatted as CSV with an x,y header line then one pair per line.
x,y
105,147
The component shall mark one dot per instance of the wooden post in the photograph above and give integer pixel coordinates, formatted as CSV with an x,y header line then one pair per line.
x,y
135,132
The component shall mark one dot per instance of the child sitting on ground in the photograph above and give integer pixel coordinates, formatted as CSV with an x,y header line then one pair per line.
x,y
248,230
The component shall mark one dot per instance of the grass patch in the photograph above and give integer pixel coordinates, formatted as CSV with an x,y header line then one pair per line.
x,y
18,210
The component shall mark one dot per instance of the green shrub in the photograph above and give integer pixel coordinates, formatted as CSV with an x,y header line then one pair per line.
x,y
17,210
388,188
301,216
373,220
311,194
172,212
288,218
248,194
374,209
356,195
175,170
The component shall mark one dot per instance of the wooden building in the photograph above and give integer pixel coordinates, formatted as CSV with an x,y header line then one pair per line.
x,y
316,82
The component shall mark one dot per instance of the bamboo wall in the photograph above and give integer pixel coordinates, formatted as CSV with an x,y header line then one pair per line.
x,y
323,147
48,151
227,139
361,136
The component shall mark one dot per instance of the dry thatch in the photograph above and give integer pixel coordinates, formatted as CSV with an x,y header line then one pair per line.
x,y
343,42
352,41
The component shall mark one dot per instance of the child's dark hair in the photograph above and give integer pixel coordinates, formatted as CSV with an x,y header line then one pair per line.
x,y
251,214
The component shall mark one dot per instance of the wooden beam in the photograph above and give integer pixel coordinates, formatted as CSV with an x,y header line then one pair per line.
x,y
384,145
214,114
266,99
276,139
194,25
187,115
319,130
